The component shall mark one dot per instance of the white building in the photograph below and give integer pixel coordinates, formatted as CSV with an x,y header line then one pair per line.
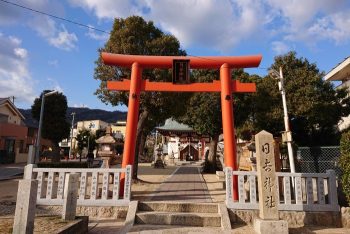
x,y
92,125
341,73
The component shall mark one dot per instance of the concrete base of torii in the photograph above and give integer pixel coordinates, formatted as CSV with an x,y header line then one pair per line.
x,y
270,226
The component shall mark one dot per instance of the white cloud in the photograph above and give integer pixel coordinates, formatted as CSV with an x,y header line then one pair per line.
x,y
20,52
334,27
53,63
108,9
58,37
15,79
97,36
80,105
280,47
55,85
46,27
313,20
64,40
221,25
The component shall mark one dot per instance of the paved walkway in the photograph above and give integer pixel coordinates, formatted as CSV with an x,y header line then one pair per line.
x,y
186,184
8,171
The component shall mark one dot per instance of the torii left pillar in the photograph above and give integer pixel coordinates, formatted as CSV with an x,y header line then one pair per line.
x,y
226,87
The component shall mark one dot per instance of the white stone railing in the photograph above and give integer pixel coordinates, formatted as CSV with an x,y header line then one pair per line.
x,y
297,191
97,186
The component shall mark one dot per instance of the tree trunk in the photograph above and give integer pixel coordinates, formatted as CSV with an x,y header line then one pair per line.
x,y
140,125
211,164
55,153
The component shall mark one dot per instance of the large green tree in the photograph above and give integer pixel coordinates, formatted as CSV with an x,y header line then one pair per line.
x,y
55,126
314,106
134,35
86,139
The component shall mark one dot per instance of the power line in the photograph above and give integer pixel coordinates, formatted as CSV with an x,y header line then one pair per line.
x,y
54,16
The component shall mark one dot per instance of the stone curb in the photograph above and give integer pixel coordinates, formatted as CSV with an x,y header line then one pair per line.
x,y
225,218
80,226
130,217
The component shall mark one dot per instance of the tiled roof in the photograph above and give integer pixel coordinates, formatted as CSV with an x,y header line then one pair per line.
x,y
171,124
12,106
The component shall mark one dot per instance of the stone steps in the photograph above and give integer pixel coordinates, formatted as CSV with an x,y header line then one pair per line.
x,y
164,229
178,214
174,218
178,207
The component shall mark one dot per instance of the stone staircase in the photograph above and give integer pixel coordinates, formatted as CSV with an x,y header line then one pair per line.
x,y
178,214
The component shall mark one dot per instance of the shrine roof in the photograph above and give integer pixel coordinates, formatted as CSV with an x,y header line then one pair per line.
x,y
172,125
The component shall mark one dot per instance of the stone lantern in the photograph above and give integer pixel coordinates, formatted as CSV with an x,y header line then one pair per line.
x,y
106,149
159,162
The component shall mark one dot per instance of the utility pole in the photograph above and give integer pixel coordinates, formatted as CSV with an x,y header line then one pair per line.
x,y
71,135
287,135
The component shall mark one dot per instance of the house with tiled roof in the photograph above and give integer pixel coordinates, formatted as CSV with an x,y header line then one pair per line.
x,y
13,133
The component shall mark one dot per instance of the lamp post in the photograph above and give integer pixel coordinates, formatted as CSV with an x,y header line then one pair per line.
x,y
37,148
71,135
90,126
287,134
155,147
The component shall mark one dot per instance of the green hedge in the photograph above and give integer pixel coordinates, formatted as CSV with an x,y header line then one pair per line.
x,y
344,163
62,164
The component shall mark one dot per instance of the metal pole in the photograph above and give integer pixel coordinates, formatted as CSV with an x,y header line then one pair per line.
x,y
286,123
155,147
88,143
71,135
37,147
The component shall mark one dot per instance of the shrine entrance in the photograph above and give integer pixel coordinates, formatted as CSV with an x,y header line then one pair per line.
x,y
226,86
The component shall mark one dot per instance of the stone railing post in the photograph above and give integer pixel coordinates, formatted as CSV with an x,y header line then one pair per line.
x,y
332,188
25,207
28,171
70,196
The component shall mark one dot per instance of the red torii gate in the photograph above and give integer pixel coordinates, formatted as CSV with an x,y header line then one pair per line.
x,y
226,86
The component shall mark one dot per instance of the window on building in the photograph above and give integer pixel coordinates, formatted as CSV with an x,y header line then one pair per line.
x,y
21,146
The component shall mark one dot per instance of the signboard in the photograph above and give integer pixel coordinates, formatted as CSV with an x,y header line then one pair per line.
x,y
181,71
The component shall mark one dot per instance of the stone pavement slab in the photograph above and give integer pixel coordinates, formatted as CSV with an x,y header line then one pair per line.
x,y
107,226
186,184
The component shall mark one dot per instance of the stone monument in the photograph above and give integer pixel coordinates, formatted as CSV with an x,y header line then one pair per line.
x,y
106,149
25,206
268,221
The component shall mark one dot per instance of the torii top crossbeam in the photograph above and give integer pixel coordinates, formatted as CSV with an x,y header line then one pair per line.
x,y
203,62
207,62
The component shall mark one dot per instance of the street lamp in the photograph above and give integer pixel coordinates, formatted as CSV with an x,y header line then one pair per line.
x,y
71,135
287,135
37,148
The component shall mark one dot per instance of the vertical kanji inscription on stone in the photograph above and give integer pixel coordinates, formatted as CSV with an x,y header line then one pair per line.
x,y
267,180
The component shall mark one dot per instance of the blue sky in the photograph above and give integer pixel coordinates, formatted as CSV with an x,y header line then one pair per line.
x,y
38,52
